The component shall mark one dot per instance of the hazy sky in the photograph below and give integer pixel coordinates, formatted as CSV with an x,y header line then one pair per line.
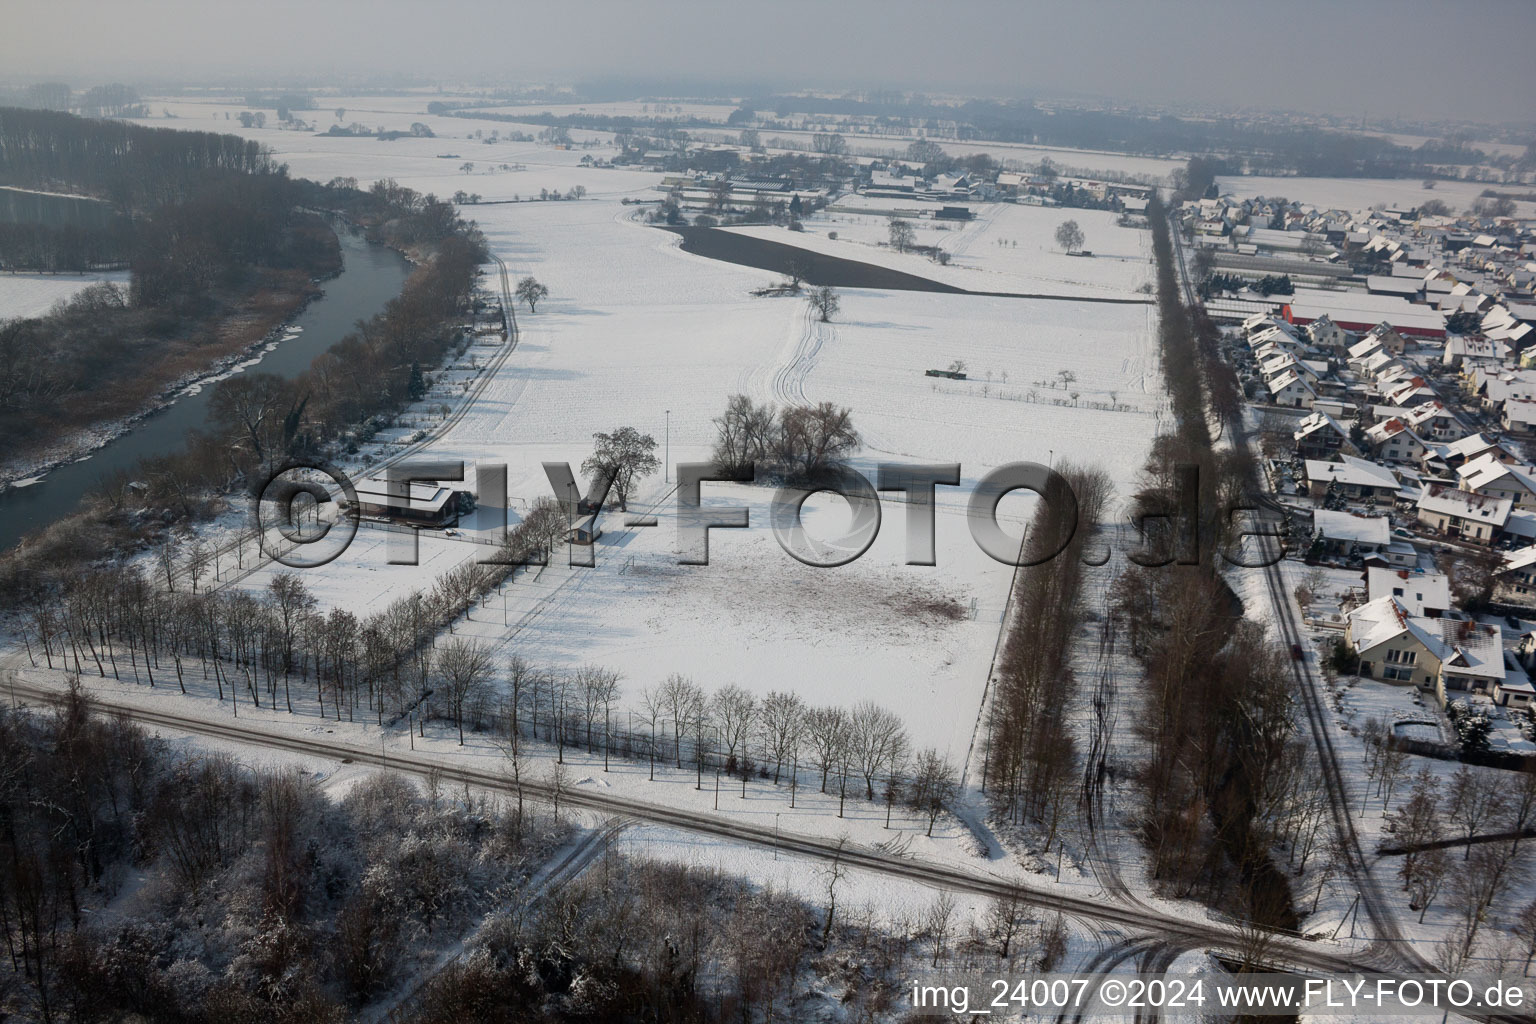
x,y
1378,58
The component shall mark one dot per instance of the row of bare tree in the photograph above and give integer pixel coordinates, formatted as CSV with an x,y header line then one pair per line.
x,y
1031,756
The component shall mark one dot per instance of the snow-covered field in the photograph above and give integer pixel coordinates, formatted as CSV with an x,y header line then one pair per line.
x,y
23,295
1007,248
636,332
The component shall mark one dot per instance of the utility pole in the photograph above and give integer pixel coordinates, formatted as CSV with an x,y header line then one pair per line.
x,y
666,469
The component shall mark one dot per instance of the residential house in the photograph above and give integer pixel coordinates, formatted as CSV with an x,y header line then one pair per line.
x,y
1449,456
1515,583
1455,513
1393,440
1326,334
1436,654
1519,417
1319,435
1352,478
1393,644
1292,390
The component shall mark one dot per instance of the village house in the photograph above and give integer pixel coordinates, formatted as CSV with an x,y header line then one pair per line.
x,y
1393,644
1519,417
1393,440
1352,478
1459,514
1449,456
1319,436
1442,655
1291,389
1515,584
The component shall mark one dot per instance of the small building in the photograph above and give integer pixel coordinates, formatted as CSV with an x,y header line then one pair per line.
x,y
419,503
585,530
953,213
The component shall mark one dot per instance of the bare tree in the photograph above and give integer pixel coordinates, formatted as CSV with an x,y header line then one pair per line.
x,y
735,709
1475,799
825,302
814,438
531,292
1006,915
744,434
463,666
683,701
783,717
875,737
901,234
827,731
936,921
1428,877
832,876
622,457
933,785
829,144
1524,928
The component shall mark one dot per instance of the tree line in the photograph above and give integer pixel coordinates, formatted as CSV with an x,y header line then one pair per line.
x,y
1031,754
274,647
134,167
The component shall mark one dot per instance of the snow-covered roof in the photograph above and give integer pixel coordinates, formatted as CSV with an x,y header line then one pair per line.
x,y
1471,648
1354,471
1486,470
1346,526
1462,646
424,496
1317,420
1449,501
1386,618
1414,589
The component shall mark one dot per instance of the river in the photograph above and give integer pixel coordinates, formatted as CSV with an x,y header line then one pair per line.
x,y
371,275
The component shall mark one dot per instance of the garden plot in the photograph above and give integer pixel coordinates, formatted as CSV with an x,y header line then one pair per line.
x,y
1007,248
